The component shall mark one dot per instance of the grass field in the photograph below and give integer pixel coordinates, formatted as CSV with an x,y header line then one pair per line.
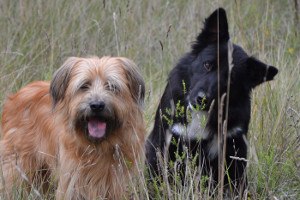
x,y
37,36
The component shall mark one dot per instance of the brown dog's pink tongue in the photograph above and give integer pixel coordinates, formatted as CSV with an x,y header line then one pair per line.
x,y
96,128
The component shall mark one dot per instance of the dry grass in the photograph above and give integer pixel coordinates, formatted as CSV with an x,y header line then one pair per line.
x,y
37,36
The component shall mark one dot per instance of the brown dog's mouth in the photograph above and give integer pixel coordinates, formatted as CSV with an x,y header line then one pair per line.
x,y
97,128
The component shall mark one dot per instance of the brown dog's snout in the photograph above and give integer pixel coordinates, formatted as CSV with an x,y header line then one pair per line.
x,y
97,106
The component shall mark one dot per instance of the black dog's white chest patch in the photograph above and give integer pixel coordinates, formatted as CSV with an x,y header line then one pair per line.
x,y
198,130
195,130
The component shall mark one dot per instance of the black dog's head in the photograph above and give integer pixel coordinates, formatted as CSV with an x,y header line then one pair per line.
x,y
210,51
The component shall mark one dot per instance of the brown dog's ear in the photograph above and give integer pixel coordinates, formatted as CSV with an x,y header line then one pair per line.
x,y
60,80
136,81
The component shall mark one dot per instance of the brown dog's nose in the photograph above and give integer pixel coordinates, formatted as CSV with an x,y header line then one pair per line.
x,y
97,106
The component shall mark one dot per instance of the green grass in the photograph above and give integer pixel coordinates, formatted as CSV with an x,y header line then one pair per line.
x,y
37,36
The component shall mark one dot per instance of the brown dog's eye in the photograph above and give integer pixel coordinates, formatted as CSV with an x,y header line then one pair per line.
x,y
208,66
85,87
111,87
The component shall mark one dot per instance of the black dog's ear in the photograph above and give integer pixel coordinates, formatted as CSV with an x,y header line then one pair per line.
x,y
217,23
258,72
60,80
214,26
136,81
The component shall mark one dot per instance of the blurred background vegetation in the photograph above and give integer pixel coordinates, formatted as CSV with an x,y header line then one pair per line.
x,y
36,36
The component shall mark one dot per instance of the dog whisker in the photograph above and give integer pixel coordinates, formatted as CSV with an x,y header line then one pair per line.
x,y
86,149
47,154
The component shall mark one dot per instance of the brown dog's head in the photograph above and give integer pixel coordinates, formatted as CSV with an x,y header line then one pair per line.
x,y
96,96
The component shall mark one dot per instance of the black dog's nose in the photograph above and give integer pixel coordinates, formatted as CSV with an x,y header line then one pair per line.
x,y
201,98
97,106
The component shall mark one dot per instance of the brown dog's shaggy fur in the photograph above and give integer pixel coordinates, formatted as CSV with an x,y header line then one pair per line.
x,y
88,132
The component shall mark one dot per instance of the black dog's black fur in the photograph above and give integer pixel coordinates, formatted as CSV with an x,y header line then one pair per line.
x,y
194,81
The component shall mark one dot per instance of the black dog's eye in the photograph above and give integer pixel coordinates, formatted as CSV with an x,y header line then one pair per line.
x,y
208,66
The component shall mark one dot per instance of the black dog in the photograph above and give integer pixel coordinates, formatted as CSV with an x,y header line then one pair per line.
x,y
188,110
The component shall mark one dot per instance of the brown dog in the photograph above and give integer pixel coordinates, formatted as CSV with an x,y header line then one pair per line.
x,y
88,132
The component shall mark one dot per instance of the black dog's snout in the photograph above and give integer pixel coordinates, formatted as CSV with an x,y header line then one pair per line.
x,y
97,106
201,98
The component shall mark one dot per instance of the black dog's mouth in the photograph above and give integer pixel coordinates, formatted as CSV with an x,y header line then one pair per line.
x,y
200,106
96,128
